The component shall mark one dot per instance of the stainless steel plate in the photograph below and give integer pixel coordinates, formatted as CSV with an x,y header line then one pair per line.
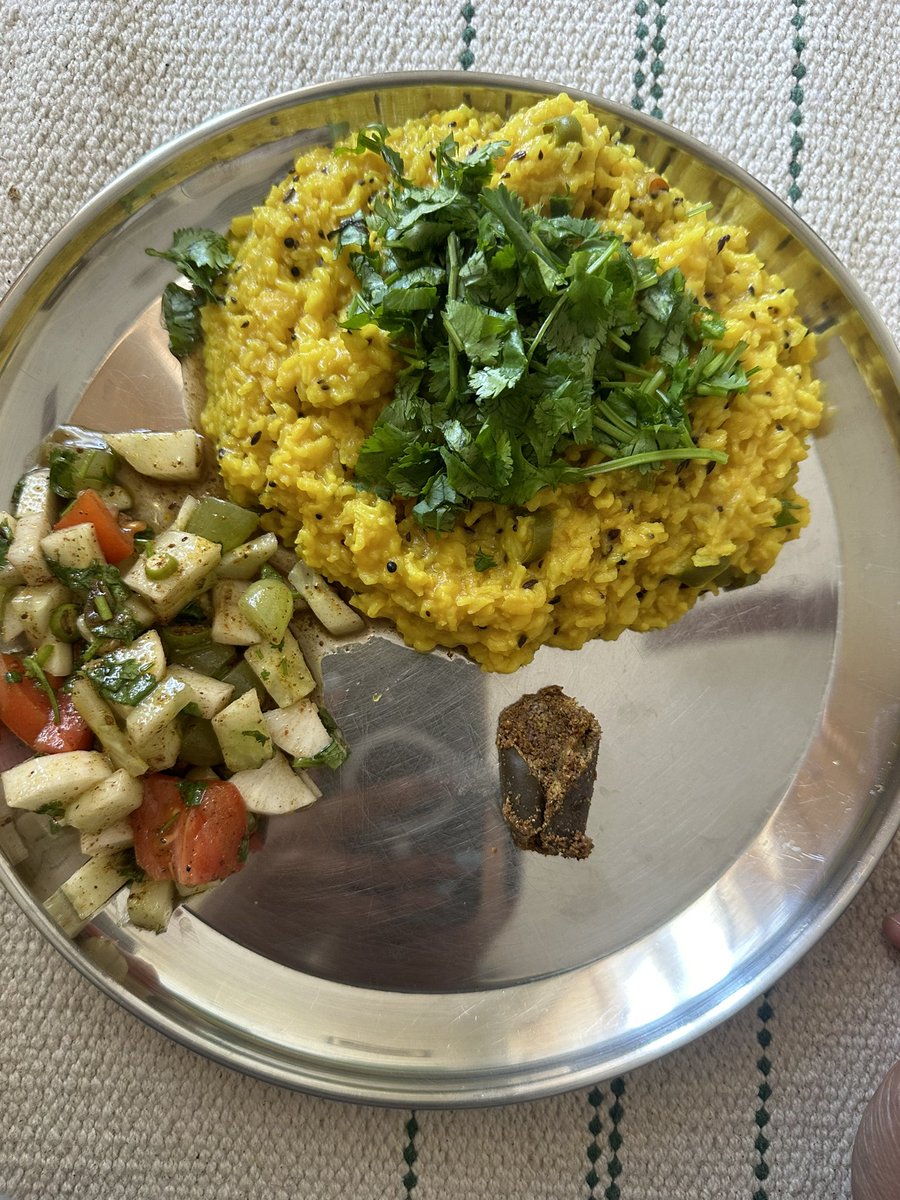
x,y
388,944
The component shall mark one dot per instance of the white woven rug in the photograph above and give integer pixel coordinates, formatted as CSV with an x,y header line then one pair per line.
x,y
96,1106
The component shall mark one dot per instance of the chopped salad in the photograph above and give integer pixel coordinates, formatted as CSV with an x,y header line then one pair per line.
x,y
156,674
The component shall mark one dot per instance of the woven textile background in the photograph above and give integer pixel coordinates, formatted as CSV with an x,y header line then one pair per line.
x,y
96,1106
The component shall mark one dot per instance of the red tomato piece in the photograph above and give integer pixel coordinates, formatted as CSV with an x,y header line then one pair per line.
x,y
88,507
157,825
24,708
213,843
70,733
190,844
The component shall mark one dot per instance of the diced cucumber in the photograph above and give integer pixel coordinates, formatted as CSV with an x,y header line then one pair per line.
x,y
242,733
199,744
9,576
106,803
102,722
242,679
29,610
162,751
146,650
116,497
230,627
211,695
298,729
212,659
244,561
337,617
35,513
54,779
184,514
194,558
282,670
36,498
151,903
223,522
96,882
59,657
114,837
273,788
176,457
268,604
159,709
75,546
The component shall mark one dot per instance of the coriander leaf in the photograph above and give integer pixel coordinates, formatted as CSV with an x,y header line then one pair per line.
x,y
483,562
199,254
374,138
786,516
181,316
74,468
335,753
125,682
106,599
191,791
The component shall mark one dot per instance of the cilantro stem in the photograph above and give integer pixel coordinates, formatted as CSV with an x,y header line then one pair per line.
x,y
654,456
34,668
454,345
548,321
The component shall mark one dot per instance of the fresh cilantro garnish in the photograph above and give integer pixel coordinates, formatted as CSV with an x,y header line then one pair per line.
x,y
483,562
786,514
34,669
201,255
54,808
73,468
334,754
257,735
123,681
191,791
105,596
538,350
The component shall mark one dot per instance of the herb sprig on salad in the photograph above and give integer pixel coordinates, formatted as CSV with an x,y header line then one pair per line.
x,y
538,349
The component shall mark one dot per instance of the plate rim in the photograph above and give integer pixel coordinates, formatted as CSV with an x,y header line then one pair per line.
x,y
888,818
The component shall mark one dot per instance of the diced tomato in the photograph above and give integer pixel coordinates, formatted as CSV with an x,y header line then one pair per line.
x,y
26,711
70,733
190,844
87,507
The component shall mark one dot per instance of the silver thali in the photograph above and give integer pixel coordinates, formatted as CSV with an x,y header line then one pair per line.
x,y
388,944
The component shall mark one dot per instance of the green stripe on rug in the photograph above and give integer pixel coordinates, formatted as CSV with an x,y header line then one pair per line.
x,y
797,71
761,1145
658,44
595,1128
410,1154
641,33
653,71
614,1141
467,12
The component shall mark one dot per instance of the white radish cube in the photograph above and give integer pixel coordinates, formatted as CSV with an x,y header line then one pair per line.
x,y
176,456
273,788
105,804
54,779
194,559
298,729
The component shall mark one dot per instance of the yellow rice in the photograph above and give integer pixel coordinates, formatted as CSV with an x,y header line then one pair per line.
x,y
291,396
